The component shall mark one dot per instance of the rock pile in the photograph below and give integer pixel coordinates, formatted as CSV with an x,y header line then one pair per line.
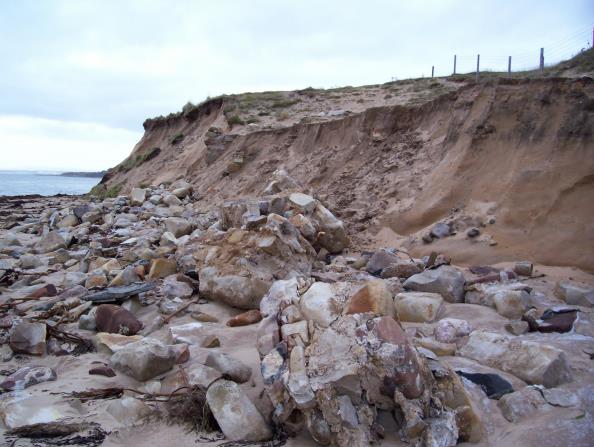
x,y
258,306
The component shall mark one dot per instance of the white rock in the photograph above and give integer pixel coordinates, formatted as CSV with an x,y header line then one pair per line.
x,y
418,307
137,196
235,413
319,305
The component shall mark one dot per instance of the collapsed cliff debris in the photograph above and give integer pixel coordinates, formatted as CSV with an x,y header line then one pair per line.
x,y
254,317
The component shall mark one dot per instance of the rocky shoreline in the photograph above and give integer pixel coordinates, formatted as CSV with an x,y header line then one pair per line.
x,y
257,319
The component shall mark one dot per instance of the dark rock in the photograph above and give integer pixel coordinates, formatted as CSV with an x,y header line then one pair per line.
x,y
493,385
380,260
119,293
473,232
441,230
102,371
116,320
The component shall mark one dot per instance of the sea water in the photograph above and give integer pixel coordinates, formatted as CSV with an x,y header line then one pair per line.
x,y
17,183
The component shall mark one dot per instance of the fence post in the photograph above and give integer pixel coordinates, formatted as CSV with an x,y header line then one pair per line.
x,y
454,64
509,65
432,70
478,60
542,59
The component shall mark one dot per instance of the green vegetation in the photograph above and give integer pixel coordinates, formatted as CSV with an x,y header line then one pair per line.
x,y
135,161
101,192
177,138
235,120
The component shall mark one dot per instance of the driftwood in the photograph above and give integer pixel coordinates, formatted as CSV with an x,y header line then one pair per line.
x,y
61,433
119,293
84,345
182,308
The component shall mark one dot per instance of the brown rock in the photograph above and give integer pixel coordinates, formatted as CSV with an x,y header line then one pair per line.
x,y
116,320
400,270
162,267
47,290
28,338
373,297
245,318
102,371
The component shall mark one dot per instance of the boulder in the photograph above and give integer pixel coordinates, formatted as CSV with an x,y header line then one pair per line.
x,y
373,297
50,242
114,319
522,404
178,226
126,277
29,261
302,202
380,260
236,415
173,288
575,293
171,200
137,196
418,307
400,269
162,267
332,235
144,359
511,304
446,280
449,330
440,230
243,292
28,338
535,363
319,304
229,367
68,221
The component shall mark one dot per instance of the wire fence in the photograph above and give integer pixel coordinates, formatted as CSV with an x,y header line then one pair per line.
x,y
543,57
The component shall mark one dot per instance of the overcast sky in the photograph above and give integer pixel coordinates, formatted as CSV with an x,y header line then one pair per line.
x,y
78,77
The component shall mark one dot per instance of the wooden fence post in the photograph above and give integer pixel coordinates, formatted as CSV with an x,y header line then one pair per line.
x,y
509,65
454,64
478,60
542,59
432,70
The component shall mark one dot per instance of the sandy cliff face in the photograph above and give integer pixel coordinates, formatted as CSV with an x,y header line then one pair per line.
x,y
512,158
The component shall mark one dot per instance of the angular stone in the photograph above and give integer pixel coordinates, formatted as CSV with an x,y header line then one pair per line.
x,y
401,269
116,320
517,327
237,291
50,242
235,413
532,362
373,297
144,359
28,338
68,221
299,328
440,230
137,196
511,304
446,280
575,293
449,330
230,367
171,200
418,307
173,288
304,203
522,404
178,226
246,318
107,343
380,260
105,371
29,261
195,375
319,305
332,236
126,277
493,385
162,267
